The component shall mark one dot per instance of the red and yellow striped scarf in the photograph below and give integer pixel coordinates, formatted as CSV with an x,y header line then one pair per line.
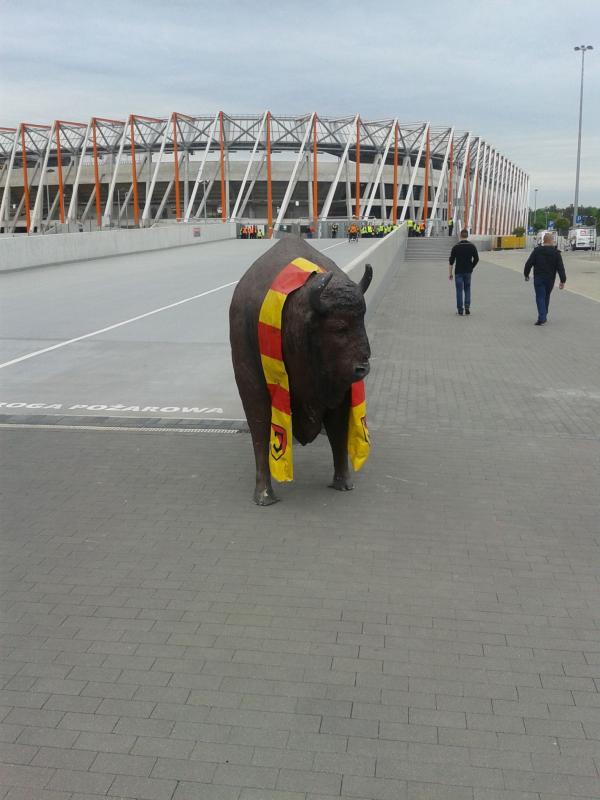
x,y
292,277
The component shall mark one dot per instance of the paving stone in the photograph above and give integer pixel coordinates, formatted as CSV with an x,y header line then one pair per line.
x,y
10,733
270,794
263,719
317,742
63,758
144,727
66,780
65,702
142,788
180,769
193,791
34,716
303,781
25,776
345,763
104,742
343,726
162,747
452,774
27,793
374,788
115,691
123,764
437,791
99,723
282,759
246,776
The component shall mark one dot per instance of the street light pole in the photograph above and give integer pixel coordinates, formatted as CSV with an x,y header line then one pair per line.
x,y
582,48
535,191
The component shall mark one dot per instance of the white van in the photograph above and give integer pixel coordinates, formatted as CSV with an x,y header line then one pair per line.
x,y
582,238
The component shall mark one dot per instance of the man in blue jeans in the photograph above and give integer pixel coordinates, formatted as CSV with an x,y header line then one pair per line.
x,y
466,257
546,261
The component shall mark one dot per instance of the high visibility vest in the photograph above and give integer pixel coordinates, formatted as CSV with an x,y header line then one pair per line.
x,y
409,223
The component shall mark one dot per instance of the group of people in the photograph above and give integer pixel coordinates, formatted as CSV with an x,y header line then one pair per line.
x,y
545,260
415,228
252,232
366,230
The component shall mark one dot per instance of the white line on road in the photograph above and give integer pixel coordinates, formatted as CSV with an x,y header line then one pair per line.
x,y
337,244
116,325
127,321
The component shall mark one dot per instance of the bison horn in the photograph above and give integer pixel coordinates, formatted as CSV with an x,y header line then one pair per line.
x,y
366,279
317,286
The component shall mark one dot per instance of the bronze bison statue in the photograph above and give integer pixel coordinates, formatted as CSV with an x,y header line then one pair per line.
x,y
300,353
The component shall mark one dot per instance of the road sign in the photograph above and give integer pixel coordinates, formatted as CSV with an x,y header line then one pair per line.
x,y
578,219
530,231
551,225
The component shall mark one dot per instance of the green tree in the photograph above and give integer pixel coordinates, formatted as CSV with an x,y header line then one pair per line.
x,y
519,231
562,225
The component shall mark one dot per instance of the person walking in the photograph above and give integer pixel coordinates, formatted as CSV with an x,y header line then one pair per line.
x,y
466,257
546,261
450,226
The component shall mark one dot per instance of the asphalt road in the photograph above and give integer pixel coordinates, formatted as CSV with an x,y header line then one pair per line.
x,y
175,362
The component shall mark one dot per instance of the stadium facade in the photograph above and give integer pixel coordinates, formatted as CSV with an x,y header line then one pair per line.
x,y
264,168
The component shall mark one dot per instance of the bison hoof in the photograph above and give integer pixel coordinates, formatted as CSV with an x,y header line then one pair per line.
x,y
341,484
265,497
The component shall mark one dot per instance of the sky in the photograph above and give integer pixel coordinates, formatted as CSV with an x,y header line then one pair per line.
x,y
503,69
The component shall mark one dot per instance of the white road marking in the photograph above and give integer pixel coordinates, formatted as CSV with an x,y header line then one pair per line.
x,y
127,321
116,325
337,244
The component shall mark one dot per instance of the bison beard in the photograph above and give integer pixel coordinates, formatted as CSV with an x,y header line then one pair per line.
x,y
323,351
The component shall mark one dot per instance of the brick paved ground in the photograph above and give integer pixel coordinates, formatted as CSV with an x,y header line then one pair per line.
x,y
434,635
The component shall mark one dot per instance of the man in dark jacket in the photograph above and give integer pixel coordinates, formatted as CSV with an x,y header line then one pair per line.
x,y
466,256
546,261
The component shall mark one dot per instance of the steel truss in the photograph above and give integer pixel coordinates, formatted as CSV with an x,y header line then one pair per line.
x,y
386,169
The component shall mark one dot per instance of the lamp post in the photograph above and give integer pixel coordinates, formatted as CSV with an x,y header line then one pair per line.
x,y
535,191
582,48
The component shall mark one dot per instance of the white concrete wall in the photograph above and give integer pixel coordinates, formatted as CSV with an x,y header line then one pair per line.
x,y
481,242
22,251
385,256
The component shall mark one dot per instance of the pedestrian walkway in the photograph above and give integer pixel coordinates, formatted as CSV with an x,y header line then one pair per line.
x,y
433,635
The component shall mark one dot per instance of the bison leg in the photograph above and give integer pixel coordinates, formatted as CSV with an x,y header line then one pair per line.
x,y
260,432
336,426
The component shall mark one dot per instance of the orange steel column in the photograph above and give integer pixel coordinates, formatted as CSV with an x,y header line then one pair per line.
x,y
61,193
176,170
426,181
357,202
269,178
315,186
395,186
450,179
96,174
222,143
476,209
467,187
25,181
136,204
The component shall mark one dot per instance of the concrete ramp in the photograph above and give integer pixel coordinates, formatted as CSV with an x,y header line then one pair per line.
x,y
141,336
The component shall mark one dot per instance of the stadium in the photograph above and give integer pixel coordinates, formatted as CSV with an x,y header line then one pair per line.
x,y
283,172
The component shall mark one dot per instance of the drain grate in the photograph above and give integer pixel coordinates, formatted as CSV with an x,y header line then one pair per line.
x,y
131,424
